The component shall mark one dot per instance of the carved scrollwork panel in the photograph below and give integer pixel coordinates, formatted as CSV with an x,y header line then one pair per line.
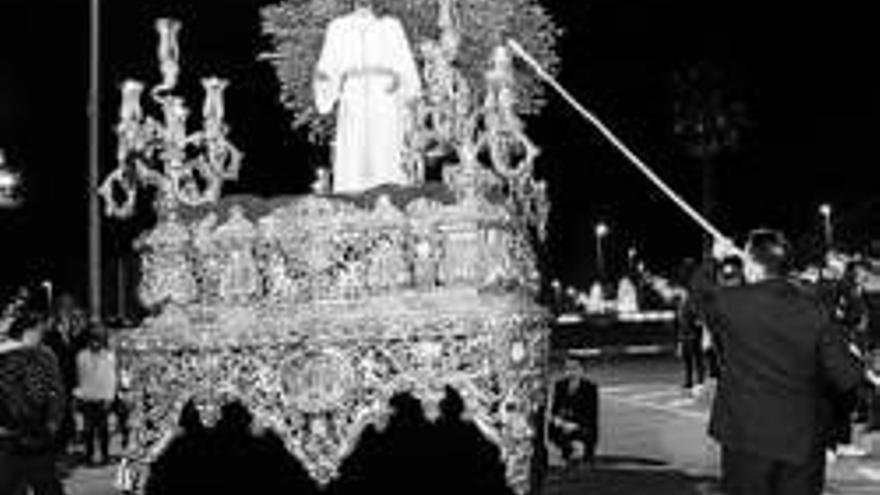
x,y
319,393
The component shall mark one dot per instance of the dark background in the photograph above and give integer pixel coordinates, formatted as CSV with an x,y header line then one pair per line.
x,y
805,71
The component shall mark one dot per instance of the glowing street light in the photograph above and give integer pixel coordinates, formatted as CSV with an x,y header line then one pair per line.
x,y
8,180
825,211
49,288
10,185
632,255
602,231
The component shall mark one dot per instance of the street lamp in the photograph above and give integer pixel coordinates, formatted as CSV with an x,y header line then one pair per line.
x,y
825,211
570,299
602,231
10,185
632,255
50,296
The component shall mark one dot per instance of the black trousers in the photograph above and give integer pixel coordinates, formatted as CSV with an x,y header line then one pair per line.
x,y
96,429
538,469
872,394
564,441
18,472
692,355
712,364
842,417
120,409
67,433
872,406
745,473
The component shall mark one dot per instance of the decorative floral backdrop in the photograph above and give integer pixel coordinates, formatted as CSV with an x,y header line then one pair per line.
x,y
296,28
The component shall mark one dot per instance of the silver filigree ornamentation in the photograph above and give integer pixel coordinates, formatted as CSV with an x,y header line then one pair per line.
x,y
186,169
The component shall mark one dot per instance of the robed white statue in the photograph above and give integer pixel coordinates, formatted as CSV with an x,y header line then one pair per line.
x,y
367,70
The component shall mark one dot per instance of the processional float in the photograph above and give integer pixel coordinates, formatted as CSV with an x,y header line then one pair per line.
x,y
314,311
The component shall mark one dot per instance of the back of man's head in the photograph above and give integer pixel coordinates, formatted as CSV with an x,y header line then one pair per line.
x,y
235,418
190,420
97,336
452,406
770,250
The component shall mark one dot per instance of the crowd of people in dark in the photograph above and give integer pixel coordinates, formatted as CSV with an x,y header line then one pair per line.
x,y
789,362
786,358
59,384
32,411
410,454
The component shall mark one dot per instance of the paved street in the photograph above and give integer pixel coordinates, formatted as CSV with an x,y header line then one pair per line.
x,y
652,442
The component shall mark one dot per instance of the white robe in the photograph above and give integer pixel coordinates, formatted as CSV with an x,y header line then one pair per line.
x,y
361,58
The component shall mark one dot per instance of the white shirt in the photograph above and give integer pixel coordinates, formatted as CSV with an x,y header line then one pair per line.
x,y
96,371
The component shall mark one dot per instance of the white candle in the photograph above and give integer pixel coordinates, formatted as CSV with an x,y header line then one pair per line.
x,y
175,119
130,109
169,51
213,109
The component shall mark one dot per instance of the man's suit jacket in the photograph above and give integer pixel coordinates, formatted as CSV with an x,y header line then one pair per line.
x,y
781,354
579,406
66,344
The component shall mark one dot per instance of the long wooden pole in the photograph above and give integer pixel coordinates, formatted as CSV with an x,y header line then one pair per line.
x,y
94,111
633,158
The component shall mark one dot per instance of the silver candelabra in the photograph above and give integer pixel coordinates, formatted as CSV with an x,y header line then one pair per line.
x,y
187,169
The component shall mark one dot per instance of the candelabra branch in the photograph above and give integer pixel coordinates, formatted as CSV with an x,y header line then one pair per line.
x,y
486,139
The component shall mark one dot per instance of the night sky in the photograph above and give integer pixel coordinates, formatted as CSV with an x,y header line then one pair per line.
x,y
804,71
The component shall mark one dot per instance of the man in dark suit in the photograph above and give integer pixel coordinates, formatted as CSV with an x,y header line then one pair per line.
x,y
689,327
66,337
574,414
781,354
870,276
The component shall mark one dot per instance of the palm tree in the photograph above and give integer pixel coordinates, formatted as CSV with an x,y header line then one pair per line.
x,y
709,119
